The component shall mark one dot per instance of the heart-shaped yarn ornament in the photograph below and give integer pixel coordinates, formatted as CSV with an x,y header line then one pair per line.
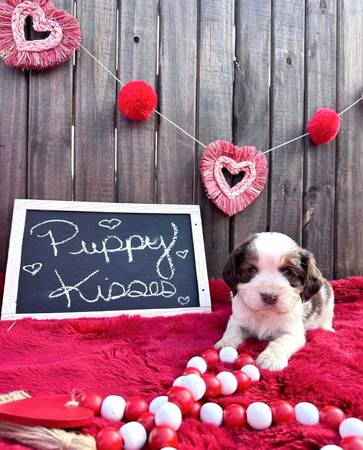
x,y
16,51
221,155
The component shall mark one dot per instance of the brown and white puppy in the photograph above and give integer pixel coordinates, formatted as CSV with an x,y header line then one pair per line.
x,y
278,293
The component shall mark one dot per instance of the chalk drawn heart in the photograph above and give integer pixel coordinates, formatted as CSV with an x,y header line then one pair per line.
x,y
33,269
223,154
111,224
64,34
182,253
184,300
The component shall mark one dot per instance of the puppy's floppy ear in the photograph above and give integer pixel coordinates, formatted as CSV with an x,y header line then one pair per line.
x,y
313,280
230,271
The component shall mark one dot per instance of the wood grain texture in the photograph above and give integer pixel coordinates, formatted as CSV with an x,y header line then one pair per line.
x,y
137,61
319,189
50,134
13,148
215,99
287,116
251,100
177,101
349,173
95,103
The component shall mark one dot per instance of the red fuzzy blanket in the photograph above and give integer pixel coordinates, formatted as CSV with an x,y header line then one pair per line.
x,y
133,355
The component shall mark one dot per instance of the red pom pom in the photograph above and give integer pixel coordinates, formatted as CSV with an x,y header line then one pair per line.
x,y
109,439
324,126
137,100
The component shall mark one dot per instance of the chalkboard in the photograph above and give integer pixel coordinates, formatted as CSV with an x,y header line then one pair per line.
x,y
78,259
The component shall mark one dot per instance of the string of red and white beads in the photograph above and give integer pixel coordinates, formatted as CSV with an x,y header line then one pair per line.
x,y
163,416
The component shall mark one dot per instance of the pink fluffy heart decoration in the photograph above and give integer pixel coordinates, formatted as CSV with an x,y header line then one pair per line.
x,y
64,34
223,154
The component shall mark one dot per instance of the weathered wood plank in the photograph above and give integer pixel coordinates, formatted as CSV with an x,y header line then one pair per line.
x,y
319,190
215,99
13,148
50,134
177,89
349,187
251,100
137,61
287,117
96,103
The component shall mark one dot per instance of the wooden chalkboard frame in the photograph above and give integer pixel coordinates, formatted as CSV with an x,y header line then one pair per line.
x,y
15,249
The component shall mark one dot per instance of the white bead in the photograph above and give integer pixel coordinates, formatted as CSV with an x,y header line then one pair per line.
x,y
306,413
169,414
198,363
113,407
178,381
134,436
228,381
228,354
211,413
157,402
195,384
252,371
351,427
331,447
259,416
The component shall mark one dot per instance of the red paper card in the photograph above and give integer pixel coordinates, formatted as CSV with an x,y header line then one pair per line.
x,y
49,411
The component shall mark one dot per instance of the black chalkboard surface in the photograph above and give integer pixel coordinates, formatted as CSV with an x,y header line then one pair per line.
x,y
74,259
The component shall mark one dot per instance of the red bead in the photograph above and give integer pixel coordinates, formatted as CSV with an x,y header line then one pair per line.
x,y
211,356
213,385
92,401
243,380
147,420
352,443
181,397
195,410
135,406
282,412
190,370
331,417
162,437
243,359
234,416
109,439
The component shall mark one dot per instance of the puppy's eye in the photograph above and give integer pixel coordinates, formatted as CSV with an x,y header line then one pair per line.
x,y
287,271
252,270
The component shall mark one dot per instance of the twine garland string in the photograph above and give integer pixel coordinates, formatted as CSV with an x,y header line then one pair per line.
x,y
193,137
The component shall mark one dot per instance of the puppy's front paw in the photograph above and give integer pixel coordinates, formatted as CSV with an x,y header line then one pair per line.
x,y
228,341
269,359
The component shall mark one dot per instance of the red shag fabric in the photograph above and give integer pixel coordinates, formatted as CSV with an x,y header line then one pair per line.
x,y
137,100
134,355
324,126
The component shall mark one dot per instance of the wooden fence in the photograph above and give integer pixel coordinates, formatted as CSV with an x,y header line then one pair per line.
x,y
251,71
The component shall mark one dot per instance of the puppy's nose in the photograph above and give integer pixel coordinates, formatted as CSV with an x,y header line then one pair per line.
x,y
269,299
